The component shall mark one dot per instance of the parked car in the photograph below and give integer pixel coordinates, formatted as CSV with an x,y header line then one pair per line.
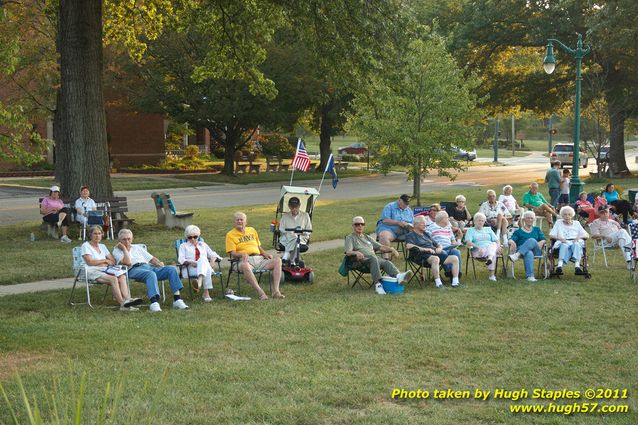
x,y
353,149
564,152
464,155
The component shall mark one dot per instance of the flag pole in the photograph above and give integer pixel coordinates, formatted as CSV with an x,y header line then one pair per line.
x,y
293,167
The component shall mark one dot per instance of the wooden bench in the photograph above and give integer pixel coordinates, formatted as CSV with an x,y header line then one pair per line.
x,y
272,163
117,209
313,167
241,168
341,166
167,214
254,168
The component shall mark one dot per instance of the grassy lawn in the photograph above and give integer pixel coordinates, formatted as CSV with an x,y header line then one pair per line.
x,y
328,354
142,182
269,177
502,153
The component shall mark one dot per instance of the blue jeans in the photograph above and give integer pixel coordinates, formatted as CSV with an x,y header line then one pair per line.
x,y
565,252
451,250
151,274
554,194
528,250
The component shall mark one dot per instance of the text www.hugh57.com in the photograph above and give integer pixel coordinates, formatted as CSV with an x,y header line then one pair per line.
x,y
569,409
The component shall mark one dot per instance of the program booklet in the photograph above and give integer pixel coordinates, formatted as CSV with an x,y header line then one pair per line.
x,y
114,271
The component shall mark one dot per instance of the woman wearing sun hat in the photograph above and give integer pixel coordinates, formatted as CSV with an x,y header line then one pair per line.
x,y
55,213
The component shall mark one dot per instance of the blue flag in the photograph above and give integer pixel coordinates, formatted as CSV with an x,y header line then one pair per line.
x,y
330,168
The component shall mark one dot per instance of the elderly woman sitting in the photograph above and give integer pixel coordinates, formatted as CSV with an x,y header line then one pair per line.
x,y
424,249
527,241
459,215
570,239
510,203
483,243
98,259
198,256
443,234
496,215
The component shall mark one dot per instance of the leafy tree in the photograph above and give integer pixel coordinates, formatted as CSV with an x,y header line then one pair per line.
x,y
415,117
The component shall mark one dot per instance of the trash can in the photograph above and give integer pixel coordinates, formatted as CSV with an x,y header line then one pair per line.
x,y
632,194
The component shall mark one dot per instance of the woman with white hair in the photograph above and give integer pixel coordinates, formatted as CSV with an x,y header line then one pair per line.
x,y
496,215
483,243
511,204
570,239
527,242
200,258
460,215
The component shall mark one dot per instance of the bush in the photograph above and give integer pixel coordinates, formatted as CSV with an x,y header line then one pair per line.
x,y
274,144
191,152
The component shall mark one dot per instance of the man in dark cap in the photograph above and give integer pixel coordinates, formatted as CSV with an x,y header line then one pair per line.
x,y
396,221
292,219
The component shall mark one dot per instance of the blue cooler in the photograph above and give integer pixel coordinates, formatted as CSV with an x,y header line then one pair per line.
x,y
391,285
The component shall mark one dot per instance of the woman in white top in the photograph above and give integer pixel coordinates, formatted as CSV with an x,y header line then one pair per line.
x,y
83,205
570,239
508,199
199,258
97,257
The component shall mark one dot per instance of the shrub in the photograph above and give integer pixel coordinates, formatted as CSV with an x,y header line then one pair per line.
x,y
274,144
191,152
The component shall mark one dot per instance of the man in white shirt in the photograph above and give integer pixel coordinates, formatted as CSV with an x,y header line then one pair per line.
x,y
146,268
611,234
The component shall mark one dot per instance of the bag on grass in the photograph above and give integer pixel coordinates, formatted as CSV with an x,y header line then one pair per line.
x,y
343,268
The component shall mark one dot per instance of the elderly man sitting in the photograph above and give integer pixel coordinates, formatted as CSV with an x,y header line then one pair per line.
x,y
362,247
396,221
242,243
425,249
146,268
291,220
535,201
611,234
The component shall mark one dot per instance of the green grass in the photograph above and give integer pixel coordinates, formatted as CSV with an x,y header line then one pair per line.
x,y
331,354
269,177
312,142
328,354
502,153
142,182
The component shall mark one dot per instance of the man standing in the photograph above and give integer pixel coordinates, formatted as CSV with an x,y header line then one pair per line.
x,y
242,243
610,234
395,222
143,267
552,178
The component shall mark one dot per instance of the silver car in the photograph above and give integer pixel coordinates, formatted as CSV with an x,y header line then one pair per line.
x,y
564,152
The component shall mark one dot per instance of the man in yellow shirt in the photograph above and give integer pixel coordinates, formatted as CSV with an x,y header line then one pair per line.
x,y
242,243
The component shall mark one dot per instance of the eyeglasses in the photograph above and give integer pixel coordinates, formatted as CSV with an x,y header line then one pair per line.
x,y
193,237
358,224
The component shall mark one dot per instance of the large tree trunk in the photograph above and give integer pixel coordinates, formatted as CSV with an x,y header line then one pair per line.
x,y
617,116
80,122
416,182
324,136
231,143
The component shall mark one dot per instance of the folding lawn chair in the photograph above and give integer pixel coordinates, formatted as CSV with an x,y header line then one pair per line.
x,y
80,272
357,271
234,268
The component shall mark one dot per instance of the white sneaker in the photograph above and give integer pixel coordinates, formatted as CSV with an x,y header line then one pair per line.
x,y
122,308
492,278
532,279
207,299
515,256
455,284
65,239
630,265
154,307
405,276
439,286
180,305
379,288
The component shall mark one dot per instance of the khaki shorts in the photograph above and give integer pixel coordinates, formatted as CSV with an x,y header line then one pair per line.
x,y
258,262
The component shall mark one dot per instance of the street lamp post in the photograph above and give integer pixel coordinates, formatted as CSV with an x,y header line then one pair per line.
x,y
549,64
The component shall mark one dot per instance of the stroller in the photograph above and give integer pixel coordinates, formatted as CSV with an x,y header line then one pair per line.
x,y
295,269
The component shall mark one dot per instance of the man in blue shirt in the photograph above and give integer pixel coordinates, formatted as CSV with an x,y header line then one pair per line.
x,y
396,220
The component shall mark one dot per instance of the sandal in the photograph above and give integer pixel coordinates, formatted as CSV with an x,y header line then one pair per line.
x,y
263,297
278,295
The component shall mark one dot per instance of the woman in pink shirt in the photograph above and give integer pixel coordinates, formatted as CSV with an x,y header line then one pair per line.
x,y
55,213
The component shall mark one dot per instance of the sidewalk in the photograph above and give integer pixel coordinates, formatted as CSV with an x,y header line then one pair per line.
x,y
67,282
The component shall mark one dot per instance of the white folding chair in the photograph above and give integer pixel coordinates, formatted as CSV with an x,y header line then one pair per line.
x,y
79,270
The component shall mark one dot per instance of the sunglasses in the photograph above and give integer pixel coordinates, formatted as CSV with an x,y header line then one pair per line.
x,y
359,224
193,237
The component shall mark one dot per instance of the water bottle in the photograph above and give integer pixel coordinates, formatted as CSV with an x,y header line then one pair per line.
x,y
273,226
32,237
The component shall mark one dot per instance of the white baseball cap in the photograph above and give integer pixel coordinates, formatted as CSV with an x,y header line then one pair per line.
x,y
54,189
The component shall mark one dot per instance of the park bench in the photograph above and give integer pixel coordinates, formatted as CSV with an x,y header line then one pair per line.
x,y
167,214
341,166
117,208
272,163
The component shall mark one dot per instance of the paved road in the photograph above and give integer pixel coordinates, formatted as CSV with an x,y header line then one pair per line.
x,y
21,204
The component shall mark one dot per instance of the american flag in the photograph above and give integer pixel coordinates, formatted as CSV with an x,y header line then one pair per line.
x,y
301,161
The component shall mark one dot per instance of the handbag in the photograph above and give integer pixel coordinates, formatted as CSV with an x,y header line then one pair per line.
x,y
343,268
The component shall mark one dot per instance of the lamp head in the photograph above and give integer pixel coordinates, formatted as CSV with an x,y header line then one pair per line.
x,y
549,63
